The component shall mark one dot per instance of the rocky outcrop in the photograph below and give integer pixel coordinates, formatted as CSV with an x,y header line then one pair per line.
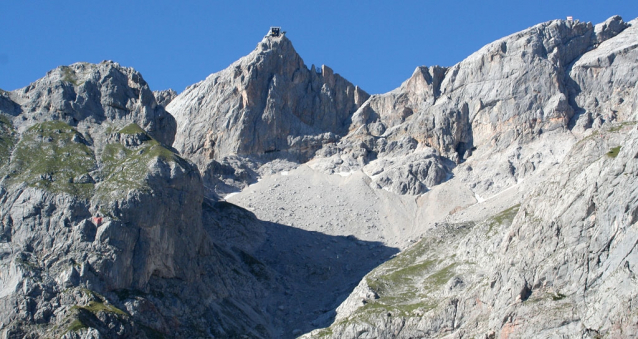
x,y
521,160
510,91
560,263
557,262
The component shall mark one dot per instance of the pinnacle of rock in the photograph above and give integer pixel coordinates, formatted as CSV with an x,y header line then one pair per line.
x,y
266,105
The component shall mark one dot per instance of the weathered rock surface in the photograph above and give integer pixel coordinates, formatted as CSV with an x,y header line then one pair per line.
x,y
511,90
603,80
82,94
559,261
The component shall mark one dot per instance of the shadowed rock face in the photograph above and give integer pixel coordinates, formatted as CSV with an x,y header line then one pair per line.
x,y
164,97
91,203
560,260
106,232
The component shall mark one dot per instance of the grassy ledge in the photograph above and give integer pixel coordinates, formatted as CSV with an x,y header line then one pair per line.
x,y
7,139
614,152
52,156
68,75
125,168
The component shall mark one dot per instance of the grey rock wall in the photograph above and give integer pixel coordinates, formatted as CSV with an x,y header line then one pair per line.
x,y
164,97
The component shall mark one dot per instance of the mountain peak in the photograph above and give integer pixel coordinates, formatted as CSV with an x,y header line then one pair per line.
x,y
266,103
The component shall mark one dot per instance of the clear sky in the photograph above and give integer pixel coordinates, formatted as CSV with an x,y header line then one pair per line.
x,y
374,44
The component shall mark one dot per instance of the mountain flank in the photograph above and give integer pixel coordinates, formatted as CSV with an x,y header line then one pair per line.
x,y
492,198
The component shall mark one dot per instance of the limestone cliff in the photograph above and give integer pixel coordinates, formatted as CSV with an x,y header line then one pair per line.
x,y
266,105
510,91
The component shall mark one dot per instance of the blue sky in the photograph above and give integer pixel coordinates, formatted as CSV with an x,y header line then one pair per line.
x,y
374,44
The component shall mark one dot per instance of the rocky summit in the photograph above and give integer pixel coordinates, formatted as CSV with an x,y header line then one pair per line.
x,y
495,198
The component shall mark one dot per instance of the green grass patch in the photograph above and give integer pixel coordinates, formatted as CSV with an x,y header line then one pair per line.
x,y
50,156
504,217
558,296
76,325
621,126
441,277
98,306
125,169
384,283
132,128
68,75
324,333
382,309
582,141
7,139
614,152
95,307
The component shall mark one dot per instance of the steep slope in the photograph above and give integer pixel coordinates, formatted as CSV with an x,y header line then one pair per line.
x,y
266,105
102,223
560,263
603,81
508,179
105,230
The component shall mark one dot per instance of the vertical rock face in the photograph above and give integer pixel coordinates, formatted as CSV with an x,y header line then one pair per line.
x,y
560,263
77,146
106,232
267,104
513,88
603,80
